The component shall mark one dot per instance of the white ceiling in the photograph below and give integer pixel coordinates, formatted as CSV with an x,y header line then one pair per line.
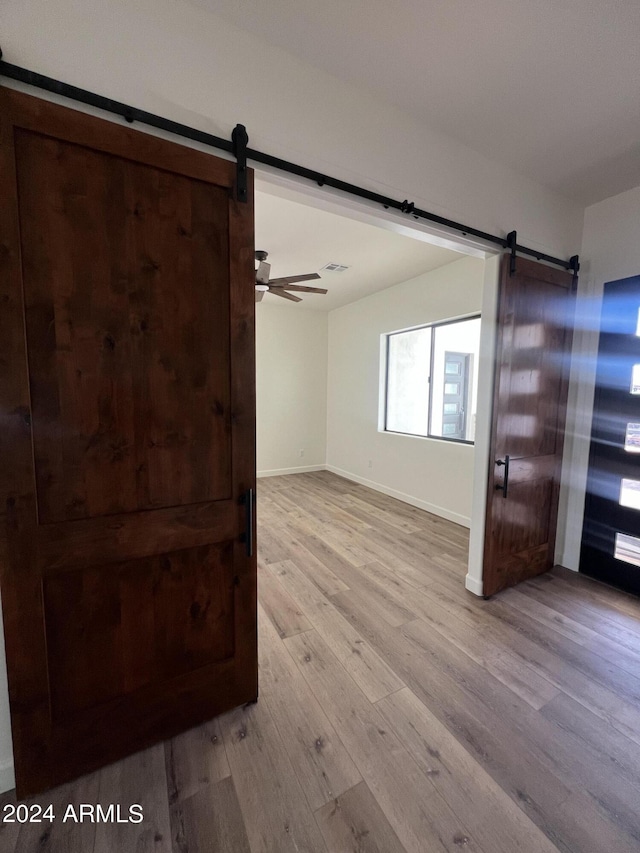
x,y
550,87
302,239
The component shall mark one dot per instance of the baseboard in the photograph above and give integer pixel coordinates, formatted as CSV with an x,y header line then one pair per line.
x,y
279,472
7,776
456,517
473,585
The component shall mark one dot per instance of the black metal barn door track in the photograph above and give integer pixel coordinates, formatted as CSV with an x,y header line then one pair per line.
x,y
238,147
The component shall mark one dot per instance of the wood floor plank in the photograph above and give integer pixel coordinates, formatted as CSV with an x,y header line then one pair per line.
x,y
559,753
321,550
342,540
620,655
364,665
396,577
600,686
380,595
419,816
327,510
209,821
391,543
562,662
621,629
376,498
591,829
322,764
139,779
318,572
504,753
553,761
460,779
446,540
617,758
355,823
487,652
377,514
9,831
270,548
194,760
284,504
60,836
407,714
589,588
326,479
275,810
283,611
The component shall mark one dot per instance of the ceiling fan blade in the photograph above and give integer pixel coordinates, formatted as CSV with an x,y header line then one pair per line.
x,y
299,288
260,295
262,274
291,279
280,292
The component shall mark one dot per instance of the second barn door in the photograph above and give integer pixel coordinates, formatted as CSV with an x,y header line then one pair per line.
x,y
534,335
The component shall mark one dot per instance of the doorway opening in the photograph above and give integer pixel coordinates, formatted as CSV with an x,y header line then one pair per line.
x,y
322,378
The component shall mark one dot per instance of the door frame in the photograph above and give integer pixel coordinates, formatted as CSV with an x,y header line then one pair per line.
x,y
323,198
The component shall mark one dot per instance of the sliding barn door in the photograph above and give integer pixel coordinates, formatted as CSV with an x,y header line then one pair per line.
x,y
535,322
126,438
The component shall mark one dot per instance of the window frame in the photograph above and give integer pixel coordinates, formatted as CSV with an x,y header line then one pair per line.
x,y
433,326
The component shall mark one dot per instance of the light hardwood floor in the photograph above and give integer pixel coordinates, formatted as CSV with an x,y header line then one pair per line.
x,y
397,712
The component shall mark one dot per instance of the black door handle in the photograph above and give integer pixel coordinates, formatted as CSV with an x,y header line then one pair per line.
x,y
247,536
505,483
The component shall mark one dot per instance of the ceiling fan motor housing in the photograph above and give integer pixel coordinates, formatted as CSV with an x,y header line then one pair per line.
x,y
280,286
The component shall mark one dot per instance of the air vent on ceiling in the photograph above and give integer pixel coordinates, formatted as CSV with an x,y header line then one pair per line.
x,y
335,267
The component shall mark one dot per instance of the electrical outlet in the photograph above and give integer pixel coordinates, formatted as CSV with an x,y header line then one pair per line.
x,y
301,453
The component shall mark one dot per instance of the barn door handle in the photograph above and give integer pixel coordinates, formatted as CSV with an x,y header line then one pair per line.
x,y
505,483
247,536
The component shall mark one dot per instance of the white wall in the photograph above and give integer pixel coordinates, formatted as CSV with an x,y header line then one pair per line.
x,y
436,475
174,58
291,388
610,251
178,60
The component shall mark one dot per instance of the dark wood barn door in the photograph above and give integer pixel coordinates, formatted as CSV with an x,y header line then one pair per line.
x,y
535,322
127,438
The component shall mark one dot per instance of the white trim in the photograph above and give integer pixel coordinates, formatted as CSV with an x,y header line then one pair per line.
x,y
564,561
296,188
473,585
279,472
456,517
7,776
482,444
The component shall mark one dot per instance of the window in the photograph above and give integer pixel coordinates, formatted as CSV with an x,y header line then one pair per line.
x,y
630,493
432,380
627,549
632,438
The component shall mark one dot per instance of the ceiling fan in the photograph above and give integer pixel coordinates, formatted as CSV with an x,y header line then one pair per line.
x,y
281,286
